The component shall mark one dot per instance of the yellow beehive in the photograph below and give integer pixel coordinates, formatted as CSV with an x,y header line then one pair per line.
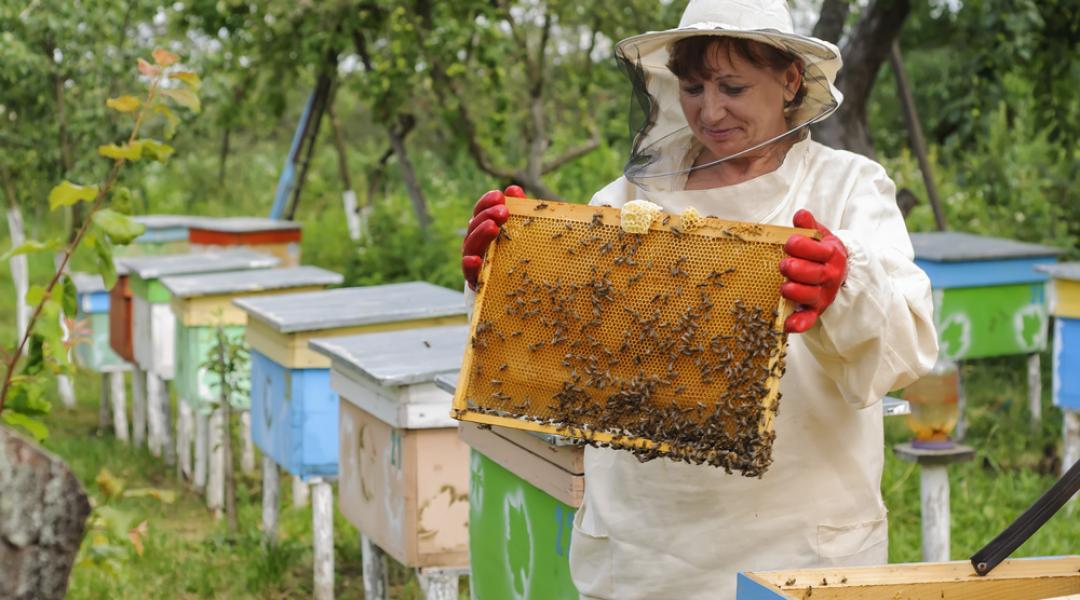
x,y
666,343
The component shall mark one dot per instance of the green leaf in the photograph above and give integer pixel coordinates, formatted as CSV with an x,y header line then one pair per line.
x,y
148,69
69,300
34,427
111,485
156,150
35,356
191,79
124,104
131,151
32,246
35,295
171,120
27,394
103,251
68,193
184,97
121,228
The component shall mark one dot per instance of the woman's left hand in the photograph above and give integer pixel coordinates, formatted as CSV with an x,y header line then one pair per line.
x,y
815,270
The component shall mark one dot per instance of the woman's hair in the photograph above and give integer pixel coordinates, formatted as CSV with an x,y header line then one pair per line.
x,y
689,57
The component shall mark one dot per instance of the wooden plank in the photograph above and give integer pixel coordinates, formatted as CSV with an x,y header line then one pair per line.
x,y
569,457
564,486
1016,579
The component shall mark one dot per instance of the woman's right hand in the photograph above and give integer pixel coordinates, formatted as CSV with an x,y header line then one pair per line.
x,y
488,215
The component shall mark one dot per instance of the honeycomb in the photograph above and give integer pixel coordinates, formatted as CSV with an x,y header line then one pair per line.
x,y
668,343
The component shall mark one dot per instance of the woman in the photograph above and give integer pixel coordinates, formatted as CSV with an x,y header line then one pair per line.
x,y
724,102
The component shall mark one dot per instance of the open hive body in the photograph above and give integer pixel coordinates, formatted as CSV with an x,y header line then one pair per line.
x,y
1055,578
668,343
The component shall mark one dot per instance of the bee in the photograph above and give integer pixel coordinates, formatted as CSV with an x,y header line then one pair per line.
x,y
503,366
527,222
427,344
540,206
597,220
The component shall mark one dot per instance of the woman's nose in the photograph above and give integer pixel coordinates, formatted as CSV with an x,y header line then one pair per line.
x,y
713,107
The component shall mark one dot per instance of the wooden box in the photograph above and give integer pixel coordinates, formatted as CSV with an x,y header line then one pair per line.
x,y
270,236
989,299
404,478
525,489
153,326
294,411
1065,307
202,302
1017,579
92,349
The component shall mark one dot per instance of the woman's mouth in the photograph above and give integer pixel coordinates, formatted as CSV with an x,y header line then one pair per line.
x,y
719,134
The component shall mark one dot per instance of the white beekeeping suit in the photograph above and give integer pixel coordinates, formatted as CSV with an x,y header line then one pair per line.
x,y
663,529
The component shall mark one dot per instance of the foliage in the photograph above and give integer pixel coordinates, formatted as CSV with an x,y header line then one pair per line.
x,y
44,339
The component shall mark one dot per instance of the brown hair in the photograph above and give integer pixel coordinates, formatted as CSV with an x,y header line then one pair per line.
x,y
690,55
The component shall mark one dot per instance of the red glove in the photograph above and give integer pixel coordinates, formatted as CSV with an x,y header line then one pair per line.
x,y
815,270
489,213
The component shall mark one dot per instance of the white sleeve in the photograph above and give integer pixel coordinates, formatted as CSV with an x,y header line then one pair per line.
x,y
878,334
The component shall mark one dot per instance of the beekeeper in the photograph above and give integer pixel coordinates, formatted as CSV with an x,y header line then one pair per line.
x,y
720,116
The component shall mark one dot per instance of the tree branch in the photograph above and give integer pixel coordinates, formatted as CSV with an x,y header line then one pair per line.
x,y
830,25
571,155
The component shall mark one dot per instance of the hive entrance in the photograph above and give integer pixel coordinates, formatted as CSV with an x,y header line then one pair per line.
x,y
669,343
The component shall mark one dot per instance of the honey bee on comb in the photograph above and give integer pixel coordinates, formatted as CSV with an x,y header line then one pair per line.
x,y
663,343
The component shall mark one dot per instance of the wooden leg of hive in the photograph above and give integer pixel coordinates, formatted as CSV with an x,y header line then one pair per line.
x,y
154,417
184,425
202,447
300,492
438,584
374,568
117,396
247,456
104,417
215,484
1071,452
168,446
270,489
322,521
138,405
1034,386
934,495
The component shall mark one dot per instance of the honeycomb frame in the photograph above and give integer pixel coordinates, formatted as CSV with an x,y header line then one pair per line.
x,y
584,331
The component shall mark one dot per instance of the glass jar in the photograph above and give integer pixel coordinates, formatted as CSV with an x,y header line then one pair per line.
x,y
934,405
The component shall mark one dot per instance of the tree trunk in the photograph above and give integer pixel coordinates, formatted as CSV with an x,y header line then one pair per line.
x,y
348,196
867,48
20,271
43,511
224,156
408,174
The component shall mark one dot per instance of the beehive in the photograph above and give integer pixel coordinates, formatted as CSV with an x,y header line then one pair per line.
x,y
668,343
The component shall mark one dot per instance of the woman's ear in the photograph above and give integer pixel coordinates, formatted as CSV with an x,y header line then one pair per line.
x,y
792,80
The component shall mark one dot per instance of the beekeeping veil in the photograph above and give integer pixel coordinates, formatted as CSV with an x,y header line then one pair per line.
x,y
664,149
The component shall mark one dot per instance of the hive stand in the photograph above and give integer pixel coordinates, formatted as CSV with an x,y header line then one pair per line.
x,y
269,236
404,473
202,303
294,411
988,301
92,350
525,489
153,326
1065,307
934,493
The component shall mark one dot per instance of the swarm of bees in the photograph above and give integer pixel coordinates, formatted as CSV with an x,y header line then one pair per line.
x,y
666,344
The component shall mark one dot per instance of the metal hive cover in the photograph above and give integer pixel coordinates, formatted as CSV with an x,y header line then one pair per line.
x,y
88,283
244,224
398,357
154,267
350,307
668,343
1067,271
955,246
153,222
238,282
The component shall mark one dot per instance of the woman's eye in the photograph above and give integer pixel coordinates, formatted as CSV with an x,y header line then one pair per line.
x,y
692,90
733,90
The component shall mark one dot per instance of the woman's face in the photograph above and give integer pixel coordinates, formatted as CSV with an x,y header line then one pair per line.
x,y
737,104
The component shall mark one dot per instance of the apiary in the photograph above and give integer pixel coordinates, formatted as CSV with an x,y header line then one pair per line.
x,y
202,303
92,349
525,488
1016,579
668,343
164,233
404,473
271,236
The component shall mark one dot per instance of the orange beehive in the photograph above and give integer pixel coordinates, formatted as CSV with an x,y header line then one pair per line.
x,y
668,343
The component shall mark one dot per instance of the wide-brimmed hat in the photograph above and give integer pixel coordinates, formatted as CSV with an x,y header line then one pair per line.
x,y
645,57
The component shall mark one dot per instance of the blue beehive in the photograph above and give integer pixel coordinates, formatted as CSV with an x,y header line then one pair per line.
x,y
294,412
